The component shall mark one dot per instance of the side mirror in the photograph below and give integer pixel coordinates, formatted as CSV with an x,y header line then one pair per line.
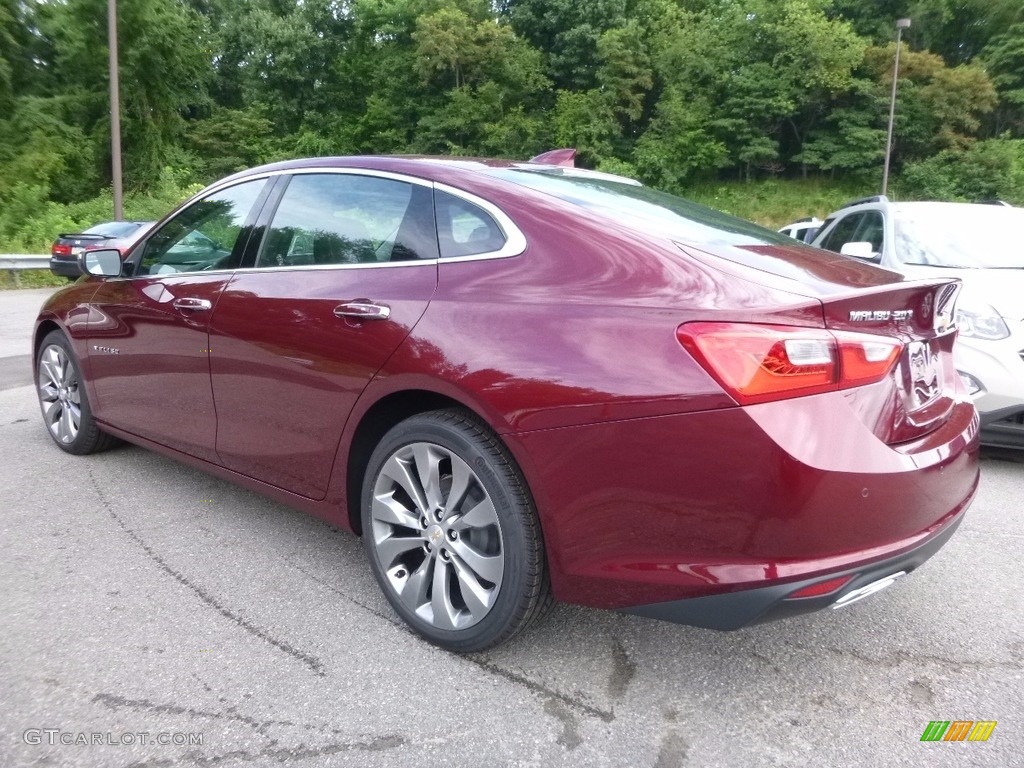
x,y
861,249
105,262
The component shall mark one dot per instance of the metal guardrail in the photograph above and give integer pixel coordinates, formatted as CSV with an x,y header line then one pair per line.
x,y
19,261
16,262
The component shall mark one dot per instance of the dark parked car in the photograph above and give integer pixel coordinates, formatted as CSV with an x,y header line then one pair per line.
x,y
521,381
120,235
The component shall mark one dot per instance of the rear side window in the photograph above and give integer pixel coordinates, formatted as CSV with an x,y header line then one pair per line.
x,y
465,229
332,218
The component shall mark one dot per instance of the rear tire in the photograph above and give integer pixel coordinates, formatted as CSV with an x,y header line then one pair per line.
x,y
63,400
452,534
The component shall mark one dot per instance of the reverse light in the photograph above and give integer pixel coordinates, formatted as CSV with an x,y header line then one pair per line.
x,y
758,363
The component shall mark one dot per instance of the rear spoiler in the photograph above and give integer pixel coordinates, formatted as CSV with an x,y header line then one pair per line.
x,y
564,157
86,236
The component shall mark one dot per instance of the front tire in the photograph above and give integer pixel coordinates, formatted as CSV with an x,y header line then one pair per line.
x,y
63,400
451,532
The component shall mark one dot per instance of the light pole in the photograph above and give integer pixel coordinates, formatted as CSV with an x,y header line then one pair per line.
x,y
901,24
115,110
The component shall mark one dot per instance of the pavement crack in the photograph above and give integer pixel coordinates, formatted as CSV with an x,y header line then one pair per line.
x,y
302,752
392,620
539,688
282,754
231,714
310,661
113,701
482,663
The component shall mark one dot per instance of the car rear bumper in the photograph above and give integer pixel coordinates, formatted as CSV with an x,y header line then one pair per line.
x,y
735,610
678,508
67,267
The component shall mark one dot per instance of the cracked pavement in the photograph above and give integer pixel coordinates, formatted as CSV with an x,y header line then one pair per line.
x,y
139,595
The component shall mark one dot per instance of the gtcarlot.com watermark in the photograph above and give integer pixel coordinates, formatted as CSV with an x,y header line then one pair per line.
x,y
55,736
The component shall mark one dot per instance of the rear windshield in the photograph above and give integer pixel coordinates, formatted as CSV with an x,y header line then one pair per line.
x,y
113,228
968,236
646,208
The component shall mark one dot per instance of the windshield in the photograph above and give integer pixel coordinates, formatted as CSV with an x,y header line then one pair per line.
x,y
966,236
664,214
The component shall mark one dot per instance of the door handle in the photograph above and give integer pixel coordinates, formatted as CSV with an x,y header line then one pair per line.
x,y
362,309
192,304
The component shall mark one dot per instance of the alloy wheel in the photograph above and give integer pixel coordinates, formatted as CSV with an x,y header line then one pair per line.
x,y
59,394
436,535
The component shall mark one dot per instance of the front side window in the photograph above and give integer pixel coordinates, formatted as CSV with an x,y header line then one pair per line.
x,y
331,218
872,230
844,232
206,235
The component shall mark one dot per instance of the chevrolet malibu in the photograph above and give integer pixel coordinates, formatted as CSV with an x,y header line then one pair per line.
x,y
521,382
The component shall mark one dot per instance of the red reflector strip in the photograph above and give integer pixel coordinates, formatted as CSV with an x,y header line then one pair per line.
x,y
822,587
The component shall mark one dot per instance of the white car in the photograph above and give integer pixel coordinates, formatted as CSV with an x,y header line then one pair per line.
x,y
981,244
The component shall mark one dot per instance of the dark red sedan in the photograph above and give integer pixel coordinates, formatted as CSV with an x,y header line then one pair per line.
x,y
522,381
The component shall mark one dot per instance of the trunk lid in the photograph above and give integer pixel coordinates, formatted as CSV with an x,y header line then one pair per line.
x,y
919,393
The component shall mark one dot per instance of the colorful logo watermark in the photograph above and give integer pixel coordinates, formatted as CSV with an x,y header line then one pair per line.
x,y
958,730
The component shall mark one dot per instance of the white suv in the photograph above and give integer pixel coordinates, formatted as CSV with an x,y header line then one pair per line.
x,y
981,244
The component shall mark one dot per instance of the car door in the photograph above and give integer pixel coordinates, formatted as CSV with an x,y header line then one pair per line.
x,y
346,270
148,333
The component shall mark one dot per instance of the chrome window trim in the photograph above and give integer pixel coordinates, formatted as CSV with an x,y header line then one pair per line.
x,y
332,267
515,240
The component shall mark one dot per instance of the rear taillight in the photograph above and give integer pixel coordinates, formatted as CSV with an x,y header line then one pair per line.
x,y
758,363
60,250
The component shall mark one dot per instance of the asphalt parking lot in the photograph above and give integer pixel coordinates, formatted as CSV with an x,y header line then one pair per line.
x,y
143,597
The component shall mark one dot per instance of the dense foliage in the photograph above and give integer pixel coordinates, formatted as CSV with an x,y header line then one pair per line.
x,y
684,94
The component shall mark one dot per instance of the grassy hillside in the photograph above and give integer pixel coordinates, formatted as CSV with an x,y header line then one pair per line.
x,y
775,203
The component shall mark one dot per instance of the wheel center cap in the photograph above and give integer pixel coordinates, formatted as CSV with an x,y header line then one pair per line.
x,y
435,535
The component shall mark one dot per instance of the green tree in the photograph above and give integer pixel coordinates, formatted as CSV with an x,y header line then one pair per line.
x,y
567,32
1003,59
939,107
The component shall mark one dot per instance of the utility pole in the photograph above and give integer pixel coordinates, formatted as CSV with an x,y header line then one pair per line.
x,y
901,24
115,110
